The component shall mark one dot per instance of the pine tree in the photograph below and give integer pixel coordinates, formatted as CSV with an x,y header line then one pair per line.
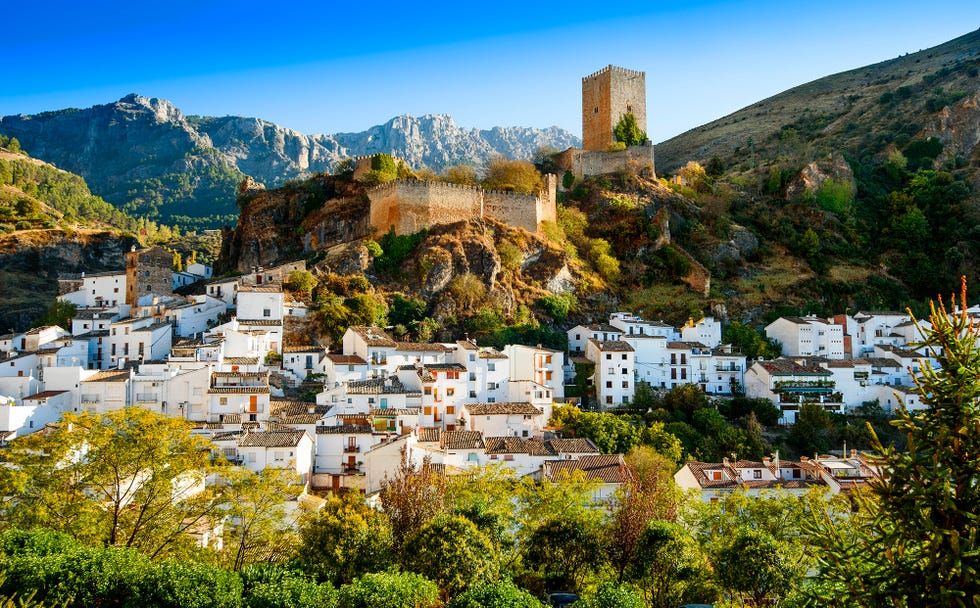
x,y
914,538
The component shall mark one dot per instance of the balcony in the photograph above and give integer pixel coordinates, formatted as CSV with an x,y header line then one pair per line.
x,y
90,399
352,449
147,398
728,368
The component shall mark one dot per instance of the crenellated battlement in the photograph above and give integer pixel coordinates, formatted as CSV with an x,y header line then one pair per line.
x,y
613,68
410,205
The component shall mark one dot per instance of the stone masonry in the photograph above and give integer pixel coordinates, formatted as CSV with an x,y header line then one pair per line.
x,y
606,96
148,271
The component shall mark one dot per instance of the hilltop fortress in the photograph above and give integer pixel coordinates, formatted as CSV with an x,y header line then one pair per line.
x,y
408,206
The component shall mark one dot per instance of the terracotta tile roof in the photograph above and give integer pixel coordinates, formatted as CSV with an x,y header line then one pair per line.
x,y
467,345
239,374
43,395
883,362
274,288
109,375
607,468
573,445
603,327
373,336
245,390
787,367
241,360
303,349
517,445
383,412
488,409
428,434
344,429
377,386
491,353
612,345
274,439
422,347
260,322
461,440
346,360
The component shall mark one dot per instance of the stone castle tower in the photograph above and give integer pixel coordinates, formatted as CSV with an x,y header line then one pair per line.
x,y
606,96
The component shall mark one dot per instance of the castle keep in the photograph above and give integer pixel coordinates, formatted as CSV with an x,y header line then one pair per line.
x,y
606,96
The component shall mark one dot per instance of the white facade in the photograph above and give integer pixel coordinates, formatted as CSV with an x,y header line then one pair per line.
x,y
808,336
99,290
614,371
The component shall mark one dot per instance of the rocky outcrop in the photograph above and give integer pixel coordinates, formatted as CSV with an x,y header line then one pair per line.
x,y
813,175
32,261
144,151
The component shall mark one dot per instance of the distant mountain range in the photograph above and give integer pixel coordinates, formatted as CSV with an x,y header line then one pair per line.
x,y
145,156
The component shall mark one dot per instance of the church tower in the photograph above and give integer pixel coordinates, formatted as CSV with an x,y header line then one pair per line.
x,y
606,96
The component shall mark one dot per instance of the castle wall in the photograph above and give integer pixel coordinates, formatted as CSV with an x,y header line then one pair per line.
x,y
606,96
409,206
585,163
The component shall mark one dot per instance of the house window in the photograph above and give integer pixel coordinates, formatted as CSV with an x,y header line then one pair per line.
x,y
223,400
508,457
427,410
266,312
716,475
626,384
472,457
491,367
472,377
756,474
625,371
612,370
673,358
472,394
609,384
683,373
609,399
472,356
450,409
428,390
608,355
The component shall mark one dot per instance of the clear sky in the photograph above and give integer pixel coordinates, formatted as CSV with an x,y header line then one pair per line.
x,y
326,66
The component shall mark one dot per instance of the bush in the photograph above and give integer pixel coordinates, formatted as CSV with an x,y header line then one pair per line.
x,y
391,590
512,176
501,594
557,306
628,131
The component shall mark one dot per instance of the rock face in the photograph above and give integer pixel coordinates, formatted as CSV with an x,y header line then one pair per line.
x,y
144,153
814,174
32,261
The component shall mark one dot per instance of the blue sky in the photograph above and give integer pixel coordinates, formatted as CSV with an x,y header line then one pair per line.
x,y
320,68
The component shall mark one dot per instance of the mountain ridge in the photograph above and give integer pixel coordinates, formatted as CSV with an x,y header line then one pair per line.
x,y
145,156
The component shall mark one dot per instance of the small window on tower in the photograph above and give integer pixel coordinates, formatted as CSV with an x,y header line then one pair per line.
x,y
596,110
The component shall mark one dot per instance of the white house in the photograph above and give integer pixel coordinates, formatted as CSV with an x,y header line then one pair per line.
x,y
99,290
292,450
579,335
716,480
224,289
544,366
808,336
789,385
706,331
505,419
614,371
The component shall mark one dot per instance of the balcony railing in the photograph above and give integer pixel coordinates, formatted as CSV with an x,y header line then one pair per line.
x,y
90,398
352,449
147,397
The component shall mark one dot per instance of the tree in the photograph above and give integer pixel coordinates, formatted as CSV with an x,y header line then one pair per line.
x,y
669,566
451,551
410,499
611,433
391,590
757,567
564,550
512,176
277,587
301,281
255,502
750,342
344,540
628,131
130,478
914,540
59,313
649,494
464,175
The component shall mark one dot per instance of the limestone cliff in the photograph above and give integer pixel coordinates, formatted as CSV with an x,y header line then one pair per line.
x,y
31,261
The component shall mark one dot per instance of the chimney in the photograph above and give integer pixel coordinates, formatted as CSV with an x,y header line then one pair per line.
x,y
724,461
766,461
854,453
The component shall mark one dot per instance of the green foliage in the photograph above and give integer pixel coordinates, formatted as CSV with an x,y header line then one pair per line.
x,y
395,250
628,131
59,313
94,498
750,342
406,310
501,173
669,566
464,175
301,281
567,180
758,568
10,143
611,595
914,539
391,590
289,590
500,594
374,249
451,551
557,306
565,550
467,290
612,434
921,152
344,540
383,169
836,196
